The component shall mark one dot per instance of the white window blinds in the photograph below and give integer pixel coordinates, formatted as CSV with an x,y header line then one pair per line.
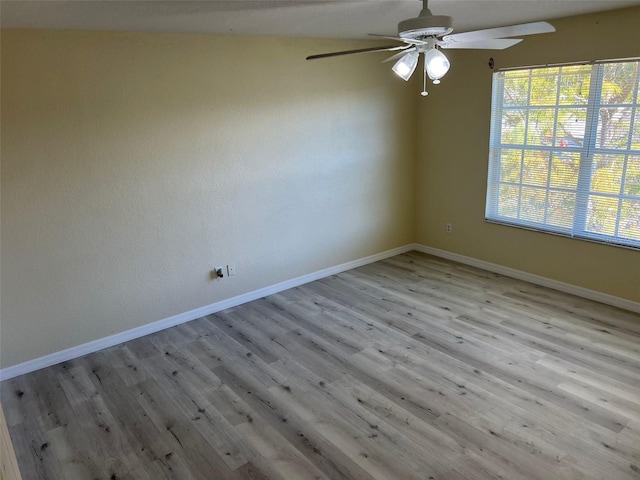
x,y
565,151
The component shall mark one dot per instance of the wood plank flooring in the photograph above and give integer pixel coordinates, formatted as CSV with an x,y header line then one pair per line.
x,y
8,463
410,368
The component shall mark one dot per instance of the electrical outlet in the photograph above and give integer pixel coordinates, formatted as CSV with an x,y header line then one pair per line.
x,y
231,269
449,228
218,272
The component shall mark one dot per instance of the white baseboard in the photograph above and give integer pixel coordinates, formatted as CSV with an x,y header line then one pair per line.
x,y
537,279
110,341
90,347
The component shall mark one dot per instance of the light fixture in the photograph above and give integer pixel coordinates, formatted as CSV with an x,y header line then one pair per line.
x,y
406,65
436,65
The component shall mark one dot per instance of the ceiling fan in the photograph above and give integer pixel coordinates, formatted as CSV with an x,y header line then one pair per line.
x,y
428,34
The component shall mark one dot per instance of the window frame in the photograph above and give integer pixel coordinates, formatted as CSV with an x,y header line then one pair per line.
x,y
588,152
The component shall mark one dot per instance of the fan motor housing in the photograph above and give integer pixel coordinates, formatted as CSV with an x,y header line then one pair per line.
x,y
425,26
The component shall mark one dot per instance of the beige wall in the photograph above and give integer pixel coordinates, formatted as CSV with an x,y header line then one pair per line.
x,y
453,154
132,164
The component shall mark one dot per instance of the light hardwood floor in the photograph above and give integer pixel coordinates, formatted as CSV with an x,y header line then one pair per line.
x,y
410,368
8,462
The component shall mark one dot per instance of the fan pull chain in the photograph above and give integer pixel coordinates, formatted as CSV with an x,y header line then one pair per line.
x,y
424,83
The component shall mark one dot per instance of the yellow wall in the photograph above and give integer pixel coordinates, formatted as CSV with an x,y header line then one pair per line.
x,y
453,154
132,164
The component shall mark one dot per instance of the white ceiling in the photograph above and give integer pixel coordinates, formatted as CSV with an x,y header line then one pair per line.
x,y
308,18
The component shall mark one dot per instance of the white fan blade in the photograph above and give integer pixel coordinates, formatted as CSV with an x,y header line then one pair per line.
x,y
399,54
501,32
489,44
359,50
410,41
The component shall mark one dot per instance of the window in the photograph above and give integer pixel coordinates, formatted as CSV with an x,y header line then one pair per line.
x,y
565,151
